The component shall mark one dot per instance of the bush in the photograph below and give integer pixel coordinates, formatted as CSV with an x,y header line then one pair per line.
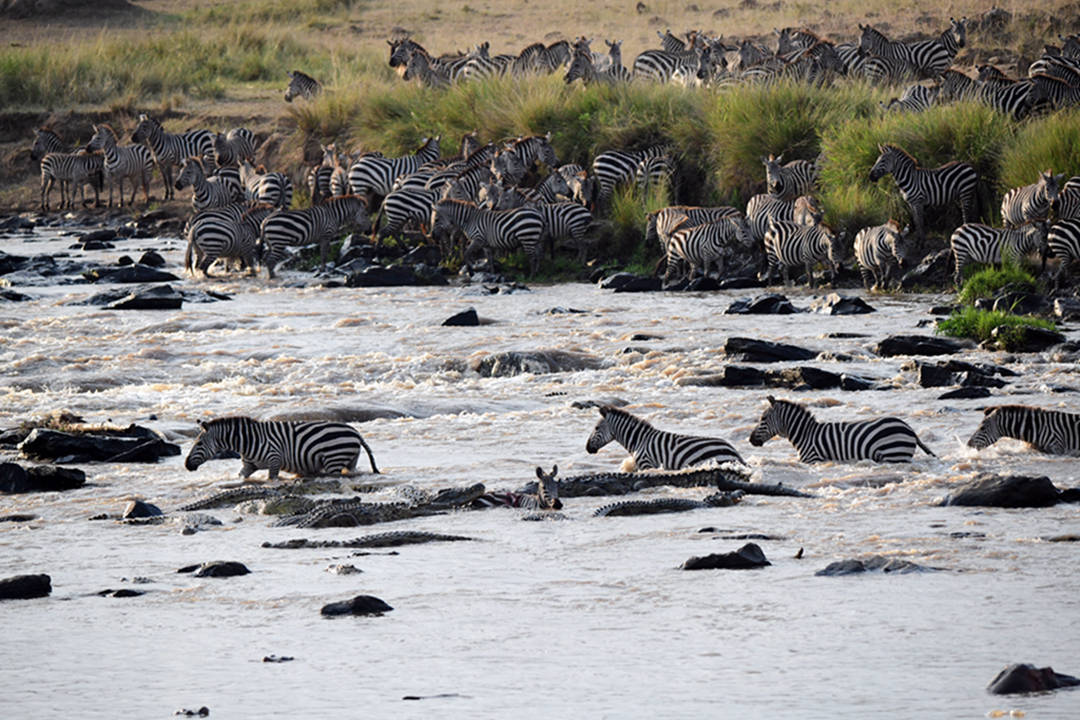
x,y
988,282
979,325
1048,143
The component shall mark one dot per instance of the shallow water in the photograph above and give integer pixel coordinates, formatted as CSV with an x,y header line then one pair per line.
x,y
588,616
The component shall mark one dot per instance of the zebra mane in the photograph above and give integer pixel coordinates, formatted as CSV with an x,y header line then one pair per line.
x,y
607,410
798,407
896,148
875,32
988,411
226,420
109,127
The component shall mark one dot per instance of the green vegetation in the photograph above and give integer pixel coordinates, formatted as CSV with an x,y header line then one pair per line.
x,y
980,325
988,282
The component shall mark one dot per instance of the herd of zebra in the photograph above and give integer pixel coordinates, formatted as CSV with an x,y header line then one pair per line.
x,y
323,448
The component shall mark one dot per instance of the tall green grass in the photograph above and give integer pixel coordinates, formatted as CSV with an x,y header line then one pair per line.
x,y
987,282
1049,143
980,325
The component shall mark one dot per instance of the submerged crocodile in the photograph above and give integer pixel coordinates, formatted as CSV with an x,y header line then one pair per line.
x,y
667,505
232,496
726,478
394,538
352,512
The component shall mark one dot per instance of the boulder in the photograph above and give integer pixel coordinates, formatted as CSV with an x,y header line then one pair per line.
x,y
965,393
931,375
919,345
751,350
874,563
1008,491
1019,303
837,304
39,478
770,304
129,274
24,587
1064,308
1025,678
12,296
217,568
359,605
855,383
640,283
1033,339
131,444
729,376
151,258
617,280
465,318
141,509
935,271
748,556
536,362
157,297
812,377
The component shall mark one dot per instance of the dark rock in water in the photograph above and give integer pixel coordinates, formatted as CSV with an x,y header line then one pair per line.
x,y
423,254
11,263
837,304
12,296
16,222
1009,491
278,658
875,563
39,478
740,283
359,605
812,377
1034,339
18,517
975,378
395,276
770,304
465,318
102,235
1026,678
130,274
158,297
1021,304
537,362
617,280
854,383
560,310
121,593
141,509
748,556
935,271
218,568
1064,308
919,345
151,258
640,283
192,295
965,393
944,309
729,376
124,260
201,712
92,245
934,376
131,444
1069,495
702,284
751,350
24,587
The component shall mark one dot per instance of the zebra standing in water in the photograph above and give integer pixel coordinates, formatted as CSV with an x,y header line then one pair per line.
x,y
788,245
402,206
303,448
652,448
886,439
923,187
545,498
976,243
791,180
227,232
71,170
881,251
271,188
316,224
1031,202
492,231
374,175
1049,431
134,162
170,149
301,85
208,192
702,245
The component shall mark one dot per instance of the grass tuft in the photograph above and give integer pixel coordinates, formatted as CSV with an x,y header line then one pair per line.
x,y
980,325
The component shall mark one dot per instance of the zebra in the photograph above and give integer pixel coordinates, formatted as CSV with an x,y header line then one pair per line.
x,y
565,221
764,206
881,251
373,175
925,58
915,98
1031,202
554,189
134,162
71,170
480,65
1068,200
660,224
1049,431
657,171
925,187
303,448
613,167
991,75
702,245
301,85
492,230
977,243
507,167
887,70
789,244
583,67
47,141
1064,243
546,496
261,187
790,180
651,448
790,40
1016,100
403,205
853,58
751,53
1066,69
1055,92
233,147
807,211
660,65
420,68
886,439
316,224
529,61
556,55
231,231
208,192
171,149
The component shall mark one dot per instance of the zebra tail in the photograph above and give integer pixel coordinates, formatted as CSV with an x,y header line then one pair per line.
x,y
925,449
189,255
371,457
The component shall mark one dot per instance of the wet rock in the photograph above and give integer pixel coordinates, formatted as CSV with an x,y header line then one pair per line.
x,y
25,587
359,605
855,383
1064,308
201,712
536,362
151,258
702,284
935,271
965,393
12,296
394,276
770,304
812,377
343,569
141,509
131,444
1026,678
1021,304
121,593
278,658
18,517
919,345
193,295
560,310
740,283
837,304
159,297
124,260
941,310
465,318
751,350
934,376
748,556
39,478
875,563
1033,339
974,378
12,263
628,282
130,274
16,222
729,376
1009,491
218,568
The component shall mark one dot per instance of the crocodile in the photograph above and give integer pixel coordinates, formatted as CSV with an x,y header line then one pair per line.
x,y
546,496
394,538
230,497
723,477
668,505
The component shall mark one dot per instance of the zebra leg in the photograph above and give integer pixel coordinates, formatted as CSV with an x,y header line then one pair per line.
x,y
967,206
866,275
246,469
917,219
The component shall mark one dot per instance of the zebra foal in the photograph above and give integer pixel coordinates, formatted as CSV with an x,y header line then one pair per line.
x,y
303,448
1049,431
652,448
881,251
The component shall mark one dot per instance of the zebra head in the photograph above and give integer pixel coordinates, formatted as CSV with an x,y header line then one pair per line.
x,y
602,434
400,49
1049,186
958,28
207,446
145,129
743,233
771,423
615,52
901,242
581,66
45,142
191,172
507,167
988,431
547,489
872,40
774,176
884,164
808,210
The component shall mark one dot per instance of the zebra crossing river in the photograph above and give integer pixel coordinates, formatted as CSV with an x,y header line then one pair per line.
x,y
588,617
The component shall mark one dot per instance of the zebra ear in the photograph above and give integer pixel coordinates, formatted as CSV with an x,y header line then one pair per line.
x,y
604,409
988,411
202,424
771,399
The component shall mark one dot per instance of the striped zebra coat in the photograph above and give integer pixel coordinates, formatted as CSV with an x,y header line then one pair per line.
x,y
269,188
133,162
614,167
403,206
886,439
915,98
491,231
546,496
1068,200
318,224
701,246
881,251
652,448
791,180
420,68
374,176
1064,244
71,170
227,232
170,149
1049,431
923,188
789,245
304,448
301,85
977,243
207,192
582,67
1031,203
47,141
234,147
